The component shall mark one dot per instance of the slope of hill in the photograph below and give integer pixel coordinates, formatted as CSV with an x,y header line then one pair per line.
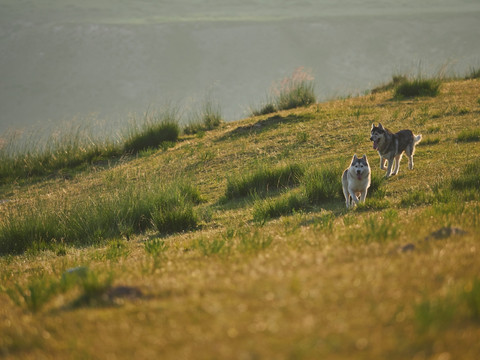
x,y
396,278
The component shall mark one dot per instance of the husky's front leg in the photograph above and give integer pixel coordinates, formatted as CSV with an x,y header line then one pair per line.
x,y
347,197
354,198
382,163
363,195
389,167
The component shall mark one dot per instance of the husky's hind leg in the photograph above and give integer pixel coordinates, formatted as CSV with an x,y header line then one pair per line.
x,y
410,151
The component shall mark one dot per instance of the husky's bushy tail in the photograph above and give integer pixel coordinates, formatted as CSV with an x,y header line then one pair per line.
x,y
417,139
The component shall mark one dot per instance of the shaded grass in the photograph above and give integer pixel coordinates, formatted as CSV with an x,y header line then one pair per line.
x,y
155,131
174,216
264,210
469,179
263,180
417,87
469,135
92,220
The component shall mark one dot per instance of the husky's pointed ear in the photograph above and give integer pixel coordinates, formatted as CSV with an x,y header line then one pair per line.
x,y
373,125
380,126
364,157
354,157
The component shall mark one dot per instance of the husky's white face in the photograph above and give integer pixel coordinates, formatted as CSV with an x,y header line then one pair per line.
x,y
377,135
359,167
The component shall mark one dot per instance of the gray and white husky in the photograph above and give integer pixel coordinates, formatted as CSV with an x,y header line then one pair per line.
x,y
356,181
391,146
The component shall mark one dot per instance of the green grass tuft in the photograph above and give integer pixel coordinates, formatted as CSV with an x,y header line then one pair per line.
x,y
417,87
264,210
459,305
95,219
35,295
469,179
469,135
267,108
378,228
263,180
396,81
170,218
417,198
434,313
154,132
22,157
210,247
253,242
473,74
323,184
78,148
209,118
296,90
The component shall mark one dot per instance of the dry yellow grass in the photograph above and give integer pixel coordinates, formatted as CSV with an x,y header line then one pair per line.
x,y
316,289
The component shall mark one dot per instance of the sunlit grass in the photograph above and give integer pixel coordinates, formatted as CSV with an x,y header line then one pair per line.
x,y
303,277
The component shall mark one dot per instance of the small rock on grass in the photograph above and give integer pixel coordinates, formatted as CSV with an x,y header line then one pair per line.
x,y
445,232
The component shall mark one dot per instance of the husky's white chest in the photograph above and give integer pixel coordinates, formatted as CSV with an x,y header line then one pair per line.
x,y
357,183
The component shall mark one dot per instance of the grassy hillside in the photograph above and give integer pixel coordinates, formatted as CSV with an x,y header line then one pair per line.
x,y
268,263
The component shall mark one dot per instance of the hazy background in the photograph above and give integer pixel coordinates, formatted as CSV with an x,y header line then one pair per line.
x,y
106,59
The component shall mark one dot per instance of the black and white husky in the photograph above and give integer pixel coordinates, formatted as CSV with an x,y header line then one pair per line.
x,y
356,181
391,146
